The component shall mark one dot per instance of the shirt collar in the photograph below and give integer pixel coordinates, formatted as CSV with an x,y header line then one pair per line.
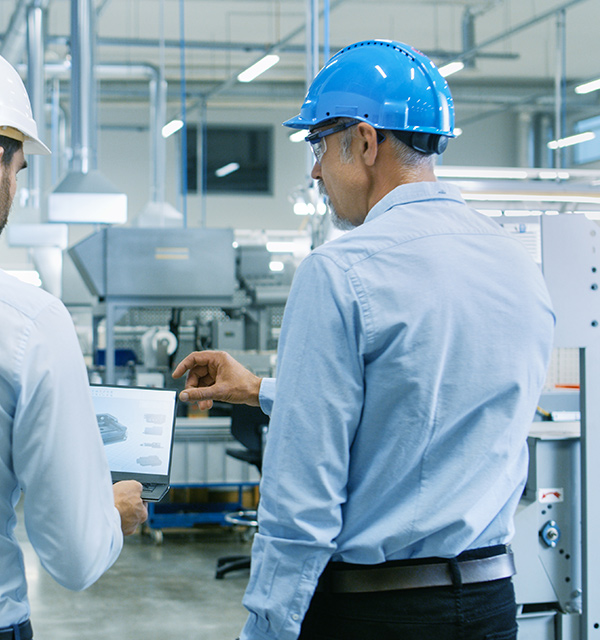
x,y
415,192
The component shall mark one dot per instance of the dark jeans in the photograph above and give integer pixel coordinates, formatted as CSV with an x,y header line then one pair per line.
x,y
481,611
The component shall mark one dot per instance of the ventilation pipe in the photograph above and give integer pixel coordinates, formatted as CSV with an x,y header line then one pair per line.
x,y
157,212
85,195
13,43
35,82
468,36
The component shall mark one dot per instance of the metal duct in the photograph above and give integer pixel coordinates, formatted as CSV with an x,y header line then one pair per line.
x,y
85,195
13,43
35,81
84,119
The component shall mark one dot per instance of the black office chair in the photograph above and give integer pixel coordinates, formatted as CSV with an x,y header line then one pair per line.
x,y
249,426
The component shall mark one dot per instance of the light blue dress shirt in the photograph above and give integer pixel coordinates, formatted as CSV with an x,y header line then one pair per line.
x,y
50,449
412,354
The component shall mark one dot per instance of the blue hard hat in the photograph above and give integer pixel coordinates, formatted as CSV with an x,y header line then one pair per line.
x,y
387,84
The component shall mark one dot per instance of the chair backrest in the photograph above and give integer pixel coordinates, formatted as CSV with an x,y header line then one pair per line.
x,y
248,426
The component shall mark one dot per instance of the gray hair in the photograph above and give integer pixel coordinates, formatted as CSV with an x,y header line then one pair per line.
x,y
403,153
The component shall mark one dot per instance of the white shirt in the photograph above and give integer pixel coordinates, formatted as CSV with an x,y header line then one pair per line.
x,y
51,449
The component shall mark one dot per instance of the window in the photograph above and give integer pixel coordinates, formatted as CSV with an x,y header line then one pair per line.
x,y
238,159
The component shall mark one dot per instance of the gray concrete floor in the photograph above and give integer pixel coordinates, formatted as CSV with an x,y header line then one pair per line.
x,y
151,593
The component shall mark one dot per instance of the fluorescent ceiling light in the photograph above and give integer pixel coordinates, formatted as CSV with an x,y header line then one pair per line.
x,y
171,127
532,197
588,87
467,172
571,140
554,175
281,247
298,136
258,67
451,67
227,169
276,265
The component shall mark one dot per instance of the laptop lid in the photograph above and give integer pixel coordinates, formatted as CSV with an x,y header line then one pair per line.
x,y
137,426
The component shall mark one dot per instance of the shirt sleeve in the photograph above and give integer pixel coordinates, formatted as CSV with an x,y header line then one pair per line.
x,y
58,455
266,395
319,397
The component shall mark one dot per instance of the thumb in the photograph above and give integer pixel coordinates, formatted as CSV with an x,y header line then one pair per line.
x,y
198,394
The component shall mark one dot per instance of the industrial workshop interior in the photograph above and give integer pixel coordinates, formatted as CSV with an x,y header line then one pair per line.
x,y
175,209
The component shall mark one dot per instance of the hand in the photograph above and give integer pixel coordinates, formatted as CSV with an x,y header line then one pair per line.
x,y
215,375
129,503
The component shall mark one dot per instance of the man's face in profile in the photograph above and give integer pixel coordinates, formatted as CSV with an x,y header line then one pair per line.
x,y
8,183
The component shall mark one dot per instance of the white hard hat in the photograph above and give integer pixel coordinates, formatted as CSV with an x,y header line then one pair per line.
x,y
16,119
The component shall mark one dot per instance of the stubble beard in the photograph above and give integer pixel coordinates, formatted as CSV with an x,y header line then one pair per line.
x,y
5,201
340,223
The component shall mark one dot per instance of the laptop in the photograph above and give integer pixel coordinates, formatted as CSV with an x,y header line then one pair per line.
x,y
137,426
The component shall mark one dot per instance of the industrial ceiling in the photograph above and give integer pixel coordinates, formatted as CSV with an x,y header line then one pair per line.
x,y
518,53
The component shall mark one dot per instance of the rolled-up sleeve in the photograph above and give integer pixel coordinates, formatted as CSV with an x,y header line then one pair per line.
x,y
266,395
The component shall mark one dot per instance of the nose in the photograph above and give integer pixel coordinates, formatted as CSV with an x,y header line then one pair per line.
x,y
315,174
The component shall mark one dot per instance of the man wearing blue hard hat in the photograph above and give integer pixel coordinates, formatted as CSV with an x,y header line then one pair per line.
x,y
412,354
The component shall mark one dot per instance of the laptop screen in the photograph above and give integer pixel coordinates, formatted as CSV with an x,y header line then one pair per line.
x,y
136,425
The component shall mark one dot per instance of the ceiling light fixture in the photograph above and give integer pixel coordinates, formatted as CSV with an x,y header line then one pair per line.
x,y
450,68
227,169
281,247
588,87
571,140
171,127
276,265
257,68
532,197
468,172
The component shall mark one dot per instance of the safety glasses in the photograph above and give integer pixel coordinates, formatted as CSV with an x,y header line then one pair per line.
x,y
319,145
317,139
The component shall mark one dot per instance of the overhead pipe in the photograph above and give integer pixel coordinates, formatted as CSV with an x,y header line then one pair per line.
x,y
209,45
560,86
13,42
157,89
35,82
465,55
83,88
85,195
468,35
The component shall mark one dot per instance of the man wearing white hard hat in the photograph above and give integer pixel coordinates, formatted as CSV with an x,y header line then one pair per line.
x,y
50,445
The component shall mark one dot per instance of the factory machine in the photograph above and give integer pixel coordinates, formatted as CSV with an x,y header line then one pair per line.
x,y
556,551
161,294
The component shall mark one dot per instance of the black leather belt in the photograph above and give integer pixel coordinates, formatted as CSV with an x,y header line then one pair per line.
x,y
21,631
416,576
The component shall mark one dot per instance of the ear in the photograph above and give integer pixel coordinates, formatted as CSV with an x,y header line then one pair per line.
x,y
366,137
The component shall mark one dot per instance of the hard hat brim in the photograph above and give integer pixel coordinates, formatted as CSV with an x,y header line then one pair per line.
x,y
35,147
298,122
